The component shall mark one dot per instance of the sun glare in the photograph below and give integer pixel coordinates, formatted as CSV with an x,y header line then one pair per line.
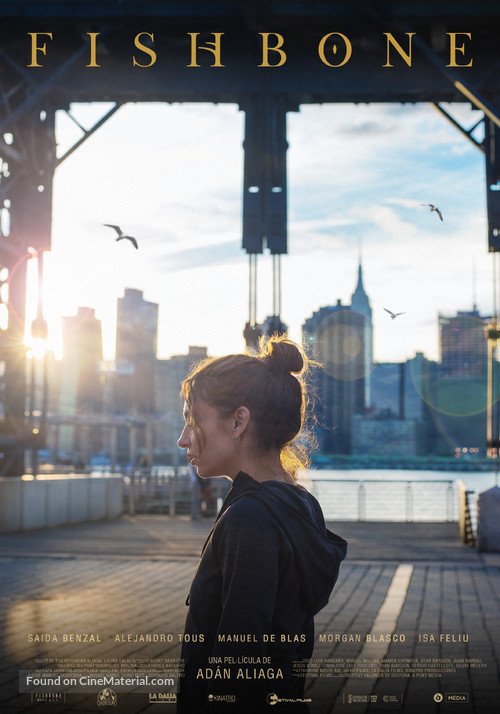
x,y
31,298
36,346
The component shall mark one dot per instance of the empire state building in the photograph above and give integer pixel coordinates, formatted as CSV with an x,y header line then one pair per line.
x,y
340,337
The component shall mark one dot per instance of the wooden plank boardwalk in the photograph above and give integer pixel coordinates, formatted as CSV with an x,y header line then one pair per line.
x,y
416,585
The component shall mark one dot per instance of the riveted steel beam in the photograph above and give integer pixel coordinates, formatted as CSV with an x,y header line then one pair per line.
x,y
264,179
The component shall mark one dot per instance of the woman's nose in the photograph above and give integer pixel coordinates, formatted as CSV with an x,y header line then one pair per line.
x,y
183,441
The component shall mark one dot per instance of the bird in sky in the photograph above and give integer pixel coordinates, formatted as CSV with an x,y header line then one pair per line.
x,y
433,208
394,314
122,235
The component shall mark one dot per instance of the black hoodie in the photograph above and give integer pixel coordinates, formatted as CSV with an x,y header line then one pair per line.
x,y
268,566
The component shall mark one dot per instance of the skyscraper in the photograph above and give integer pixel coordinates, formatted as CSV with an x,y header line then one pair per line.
x,y
460,391
80,387
340,337
136,341
169,375
360,303
463,344
82,351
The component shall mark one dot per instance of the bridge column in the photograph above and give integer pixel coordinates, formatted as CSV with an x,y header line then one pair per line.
x,y
113,445
150,441
132,431
492,156
264,177
28,156
53,441
264,198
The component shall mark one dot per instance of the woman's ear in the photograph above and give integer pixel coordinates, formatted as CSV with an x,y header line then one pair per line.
x,y
241,418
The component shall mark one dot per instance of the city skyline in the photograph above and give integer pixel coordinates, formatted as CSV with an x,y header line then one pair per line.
x,y
181,198
474,315
411,408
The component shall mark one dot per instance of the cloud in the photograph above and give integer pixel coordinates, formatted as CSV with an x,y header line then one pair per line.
x,y
315,232
367,129
202,256
406,202
388,221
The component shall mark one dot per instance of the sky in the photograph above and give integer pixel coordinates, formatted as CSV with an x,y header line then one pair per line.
x,y
172,176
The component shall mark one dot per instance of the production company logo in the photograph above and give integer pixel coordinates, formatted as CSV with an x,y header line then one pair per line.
x,y
48,697
372,698
162,698
456,698
360,698
392,699
107,698
451,697
229,698
273,699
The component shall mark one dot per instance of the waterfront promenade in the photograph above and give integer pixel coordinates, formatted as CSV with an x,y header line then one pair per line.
x,y
436,600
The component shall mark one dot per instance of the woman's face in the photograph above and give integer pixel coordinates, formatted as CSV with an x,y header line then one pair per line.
x,y
215,456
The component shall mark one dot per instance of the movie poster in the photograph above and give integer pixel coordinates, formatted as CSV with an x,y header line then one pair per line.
x,y
379,195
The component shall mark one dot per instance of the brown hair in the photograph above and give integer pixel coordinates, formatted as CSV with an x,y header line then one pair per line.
x,y
270,384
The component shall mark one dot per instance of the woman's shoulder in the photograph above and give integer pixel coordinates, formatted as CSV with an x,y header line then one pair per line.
x,y
247,513
248,504
248,523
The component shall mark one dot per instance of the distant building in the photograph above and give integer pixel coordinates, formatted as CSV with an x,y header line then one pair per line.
x,y
136,342
399,388
169,374
446,402
384,435
459,393
399,420
340,337
80,386
82,350
361,304
463,344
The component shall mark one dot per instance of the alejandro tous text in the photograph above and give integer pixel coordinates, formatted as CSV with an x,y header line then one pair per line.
x,y
334,49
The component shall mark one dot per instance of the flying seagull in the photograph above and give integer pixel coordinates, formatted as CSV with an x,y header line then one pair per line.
x,y
433,208
121,234
393,314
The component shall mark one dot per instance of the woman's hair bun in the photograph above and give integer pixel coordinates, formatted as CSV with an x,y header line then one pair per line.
x,y
285,355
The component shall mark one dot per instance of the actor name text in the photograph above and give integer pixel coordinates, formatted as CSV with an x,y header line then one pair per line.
x,y
443,637
158,637
369,637
272,637
393,637
65,637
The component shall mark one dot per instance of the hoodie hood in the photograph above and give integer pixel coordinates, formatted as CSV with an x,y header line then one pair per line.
x,y
318,551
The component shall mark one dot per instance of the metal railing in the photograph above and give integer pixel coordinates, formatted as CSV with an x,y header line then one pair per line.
x,y
169,490
466,521
386,499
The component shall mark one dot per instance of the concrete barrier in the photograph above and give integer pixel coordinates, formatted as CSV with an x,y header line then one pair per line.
x,y
44,502
488,520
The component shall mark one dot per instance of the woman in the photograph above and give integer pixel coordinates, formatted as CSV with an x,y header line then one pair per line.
x,y
269,563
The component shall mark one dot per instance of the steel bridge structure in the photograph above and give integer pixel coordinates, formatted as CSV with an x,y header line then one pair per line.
x,y
267,56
